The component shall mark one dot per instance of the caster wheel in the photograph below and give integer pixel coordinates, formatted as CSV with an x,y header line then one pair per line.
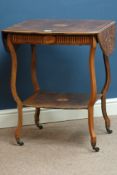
x,y
109,131
40,126
96,149
19,142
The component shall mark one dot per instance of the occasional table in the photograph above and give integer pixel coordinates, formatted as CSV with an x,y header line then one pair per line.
x,y
62,32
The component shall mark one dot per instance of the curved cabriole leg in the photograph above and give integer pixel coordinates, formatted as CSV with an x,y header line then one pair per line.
x,y
104,91
33,69
91,128
17,131
37,113
35,84
93,94
13,88
106,118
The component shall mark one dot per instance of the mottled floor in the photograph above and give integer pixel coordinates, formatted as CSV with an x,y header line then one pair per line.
x,y
59,149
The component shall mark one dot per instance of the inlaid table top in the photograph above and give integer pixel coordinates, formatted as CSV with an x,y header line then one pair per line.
x,y
103,30
61,26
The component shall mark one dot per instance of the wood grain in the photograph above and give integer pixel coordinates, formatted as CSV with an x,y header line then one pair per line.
x,y
62,32
59,100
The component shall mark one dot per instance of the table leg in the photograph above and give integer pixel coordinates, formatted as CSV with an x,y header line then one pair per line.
x,y
12,51
104,91
37,113
35,84
93,95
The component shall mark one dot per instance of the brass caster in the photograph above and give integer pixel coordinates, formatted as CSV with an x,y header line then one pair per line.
x,y
40,126
96,149
19,142
109,131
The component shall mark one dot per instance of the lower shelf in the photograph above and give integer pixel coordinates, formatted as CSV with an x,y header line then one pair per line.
x,y
58,100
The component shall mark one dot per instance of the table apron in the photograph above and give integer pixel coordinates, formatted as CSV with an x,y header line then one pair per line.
x,y
52,39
